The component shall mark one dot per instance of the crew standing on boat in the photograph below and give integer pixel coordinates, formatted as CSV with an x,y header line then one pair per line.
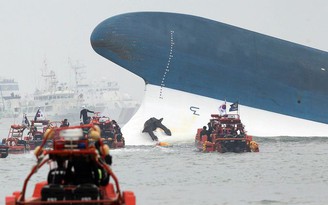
x,y
84,114
117,129
65,123
25,122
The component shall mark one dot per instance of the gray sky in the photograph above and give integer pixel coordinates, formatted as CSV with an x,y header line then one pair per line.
x,y
58,30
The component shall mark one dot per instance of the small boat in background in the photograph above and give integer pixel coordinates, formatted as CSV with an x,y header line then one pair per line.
x,y
9,98
60,100
37,130
110,131
16,142
226,133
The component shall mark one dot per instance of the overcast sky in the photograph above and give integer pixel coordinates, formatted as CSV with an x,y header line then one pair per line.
x,y
58,30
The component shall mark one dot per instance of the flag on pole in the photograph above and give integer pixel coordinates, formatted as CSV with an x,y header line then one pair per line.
x,y
38,115
234,106
25,121
222,109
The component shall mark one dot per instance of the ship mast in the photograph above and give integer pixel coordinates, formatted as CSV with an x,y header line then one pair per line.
x,y
50,77
78,72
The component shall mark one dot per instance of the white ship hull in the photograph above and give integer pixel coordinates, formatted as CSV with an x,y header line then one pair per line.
x,y
184,113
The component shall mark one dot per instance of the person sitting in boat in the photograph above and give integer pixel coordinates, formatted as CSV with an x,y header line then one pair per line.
x,y
105,157
12,141
117,130
209,131
83,170
65,123
107,131
58,175
84,114
103,177
203,132
233,131
240,129
32,132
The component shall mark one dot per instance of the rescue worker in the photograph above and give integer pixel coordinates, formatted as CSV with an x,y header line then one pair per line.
x,y
84,114
117,131
209,131
203,132
82,170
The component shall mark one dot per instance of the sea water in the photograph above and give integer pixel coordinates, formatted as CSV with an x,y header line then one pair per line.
x,y
287,170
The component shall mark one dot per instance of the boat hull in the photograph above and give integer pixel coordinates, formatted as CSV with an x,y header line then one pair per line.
x,y
19,149
32,144
183,113
218,61
225,145
114,144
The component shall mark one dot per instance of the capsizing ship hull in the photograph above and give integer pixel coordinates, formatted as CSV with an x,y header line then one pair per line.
x,y
220,62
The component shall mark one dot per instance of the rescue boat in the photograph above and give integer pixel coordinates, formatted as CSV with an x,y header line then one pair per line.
x,y
225,133
37,130
17,144
80,171
110,131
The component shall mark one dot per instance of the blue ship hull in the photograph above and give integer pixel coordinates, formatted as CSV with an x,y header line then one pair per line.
x,y
220,61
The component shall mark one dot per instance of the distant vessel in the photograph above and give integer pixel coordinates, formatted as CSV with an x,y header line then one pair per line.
x,y
16,141
58,101
9,98
104,96
190,65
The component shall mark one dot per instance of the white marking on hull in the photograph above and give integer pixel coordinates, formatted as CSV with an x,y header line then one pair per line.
x,y
184,112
